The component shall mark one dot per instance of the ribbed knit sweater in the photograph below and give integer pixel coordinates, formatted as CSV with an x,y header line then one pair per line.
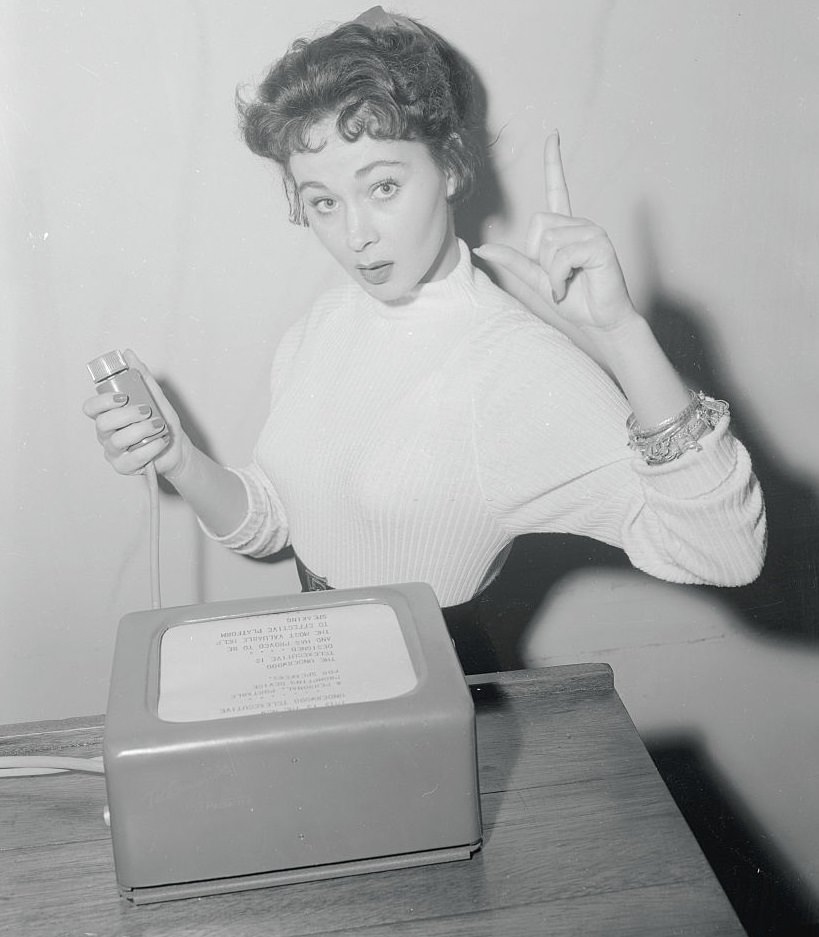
x,y
413,441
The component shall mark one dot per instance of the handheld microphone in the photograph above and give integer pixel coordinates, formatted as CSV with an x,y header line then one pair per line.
x,y
111,374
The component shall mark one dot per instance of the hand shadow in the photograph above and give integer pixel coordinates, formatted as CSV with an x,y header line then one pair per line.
x,y
783,601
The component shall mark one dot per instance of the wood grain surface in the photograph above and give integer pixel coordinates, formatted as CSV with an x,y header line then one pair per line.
x,y
581,838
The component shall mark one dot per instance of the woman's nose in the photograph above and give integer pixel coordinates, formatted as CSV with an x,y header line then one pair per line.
x,y
360,230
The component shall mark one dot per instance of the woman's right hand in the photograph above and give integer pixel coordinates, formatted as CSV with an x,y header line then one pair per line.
x,y
121,425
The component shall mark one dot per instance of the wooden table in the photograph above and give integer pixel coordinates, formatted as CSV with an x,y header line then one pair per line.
x,y
581,838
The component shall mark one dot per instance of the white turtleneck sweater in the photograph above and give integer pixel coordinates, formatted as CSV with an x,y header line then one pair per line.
x,y
413,441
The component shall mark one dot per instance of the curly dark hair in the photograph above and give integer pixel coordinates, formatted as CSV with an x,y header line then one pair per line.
x,y
395,80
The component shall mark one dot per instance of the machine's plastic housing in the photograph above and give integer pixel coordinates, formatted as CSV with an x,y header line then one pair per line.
x,y
209,804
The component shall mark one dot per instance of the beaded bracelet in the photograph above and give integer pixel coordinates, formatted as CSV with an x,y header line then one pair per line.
x,y
670,439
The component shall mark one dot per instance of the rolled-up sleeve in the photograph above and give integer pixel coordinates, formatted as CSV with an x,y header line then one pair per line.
x,y
263,530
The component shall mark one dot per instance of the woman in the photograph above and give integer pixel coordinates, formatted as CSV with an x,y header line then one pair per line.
x,y
420,417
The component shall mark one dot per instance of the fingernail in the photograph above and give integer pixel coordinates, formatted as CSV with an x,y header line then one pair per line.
x,y
120,398
158,424
477,250
555,300
145,410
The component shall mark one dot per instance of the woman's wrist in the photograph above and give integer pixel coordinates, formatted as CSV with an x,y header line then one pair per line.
x,y
619,333
216,494
178,468
648,379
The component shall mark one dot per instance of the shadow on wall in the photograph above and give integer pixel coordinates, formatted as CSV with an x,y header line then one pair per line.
x,y
784,601
487,200
757,881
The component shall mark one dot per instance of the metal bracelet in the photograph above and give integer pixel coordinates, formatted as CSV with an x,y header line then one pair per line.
x,y
680,434
634,428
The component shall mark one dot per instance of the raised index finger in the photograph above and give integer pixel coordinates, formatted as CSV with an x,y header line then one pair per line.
x,y
557,192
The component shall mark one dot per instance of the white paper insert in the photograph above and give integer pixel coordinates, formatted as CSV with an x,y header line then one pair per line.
x,y
282,661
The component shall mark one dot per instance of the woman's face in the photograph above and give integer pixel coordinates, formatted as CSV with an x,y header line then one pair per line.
x,y
380,207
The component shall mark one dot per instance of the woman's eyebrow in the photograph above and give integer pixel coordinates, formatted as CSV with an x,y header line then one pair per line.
x,y
311,182
377,164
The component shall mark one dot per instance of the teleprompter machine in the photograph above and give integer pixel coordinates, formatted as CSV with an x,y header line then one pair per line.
x,y
265,741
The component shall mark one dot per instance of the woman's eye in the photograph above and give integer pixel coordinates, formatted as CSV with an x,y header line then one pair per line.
x,y
386,189
324,205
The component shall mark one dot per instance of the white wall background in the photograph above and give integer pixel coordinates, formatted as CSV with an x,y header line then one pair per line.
x,y
132,215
